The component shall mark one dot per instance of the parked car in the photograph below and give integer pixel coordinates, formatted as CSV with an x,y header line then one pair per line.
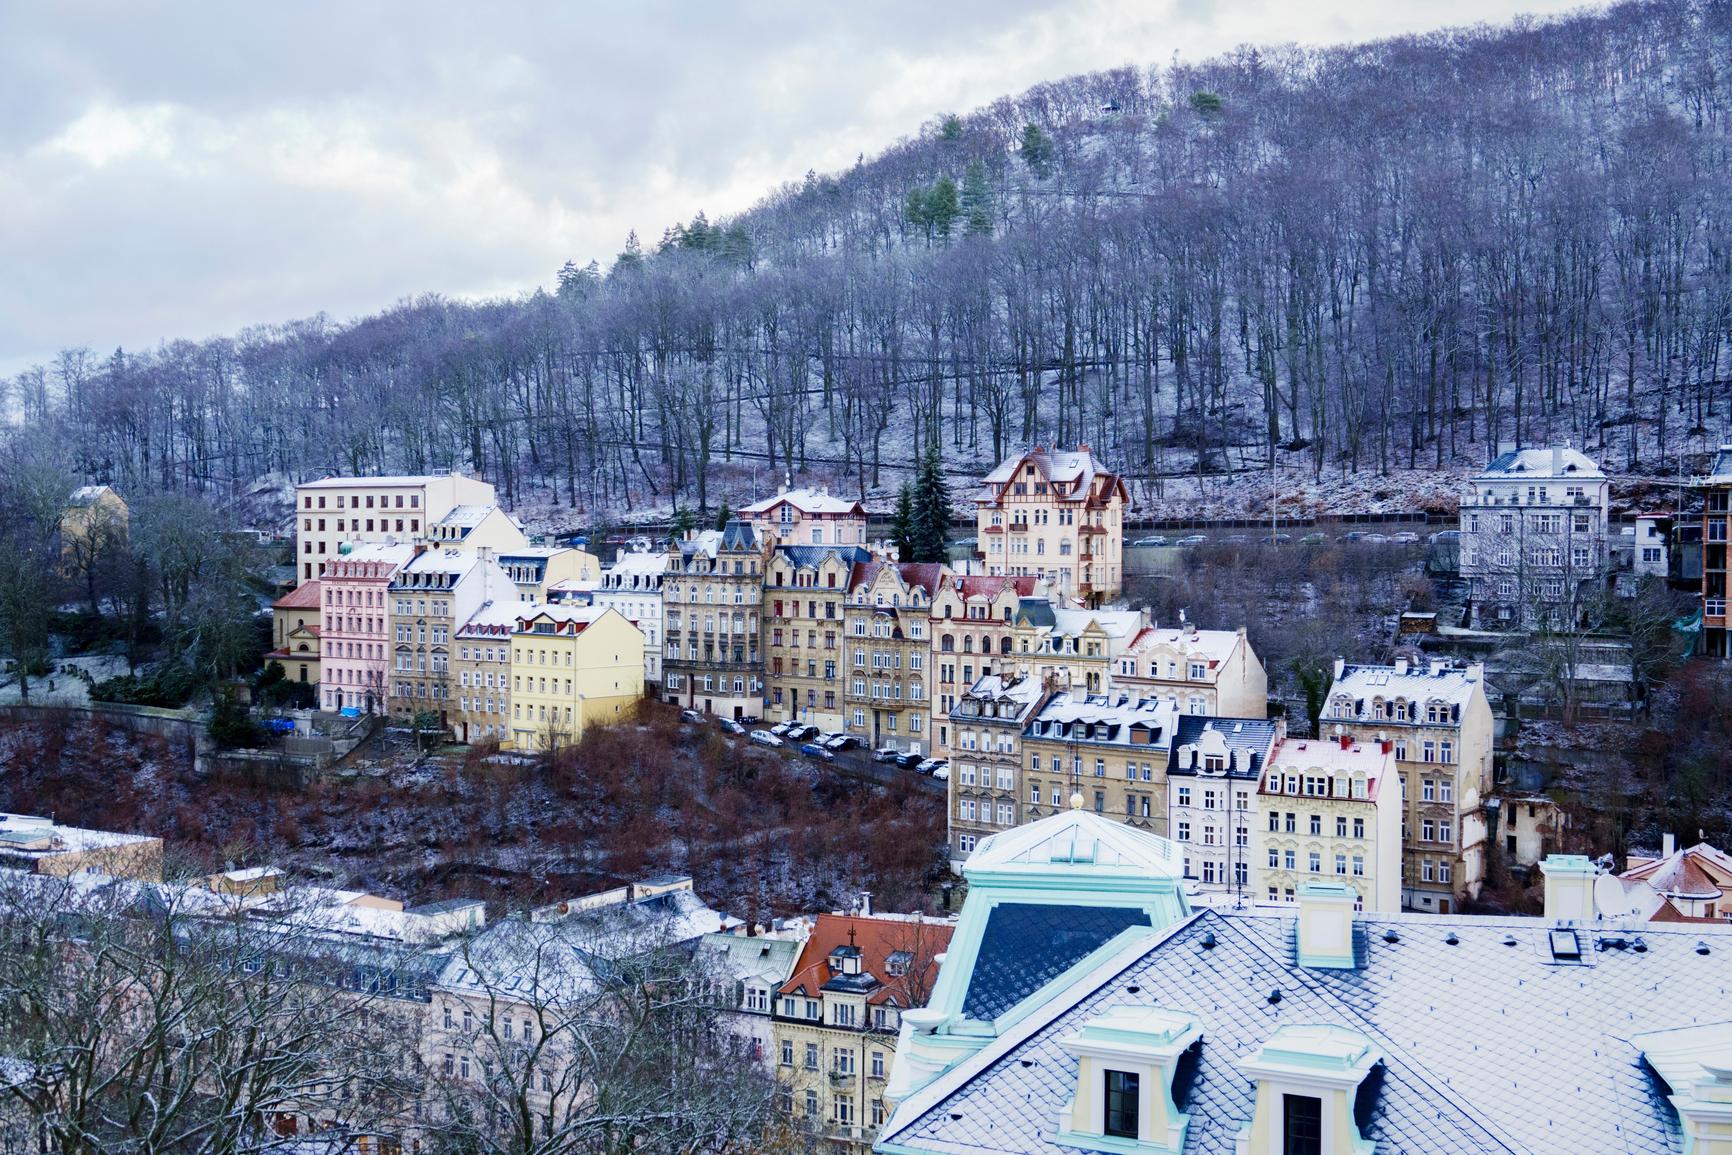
x,y
800,732
1354,535
781,729
886,754
1276,538
1314,539
836,742
909,761
928,766
814,750
691,716
1405,537
1156,539
1238,539
765,738
1193,539
732,726
941,773
1376,538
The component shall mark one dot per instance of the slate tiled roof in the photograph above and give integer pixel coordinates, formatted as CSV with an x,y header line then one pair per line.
x,y
1488,1045
812,556
1027,945
1539,463
1254,734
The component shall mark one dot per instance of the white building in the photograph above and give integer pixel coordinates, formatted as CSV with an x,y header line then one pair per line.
x,y
1533,538
337,511
1649,556
633,586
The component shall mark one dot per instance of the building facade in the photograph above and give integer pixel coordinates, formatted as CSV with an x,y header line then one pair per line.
x,y
807,517
1212,777
1208,672
712,595
1111,749
1716,489
481,673
295,619
633,586
572,668
986,764
476,528
337,511
887,682
355,629
537,570
804,598
434,593
1533,539
973,629
1056,514
1439,725
1331,812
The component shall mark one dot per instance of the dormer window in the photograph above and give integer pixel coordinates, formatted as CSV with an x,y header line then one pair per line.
x,y
1313,1084
1128,1067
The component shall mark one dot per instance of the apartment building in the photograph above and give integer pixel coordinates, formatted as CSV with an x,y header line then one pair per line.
x,y
43,846
973,628
1058,514
1213,772
838,1015
806,517
633,586
746,973
1534,538
805,596
477,528
986,764
480,700
1716,489
572,668
1331,812
337,511
295,621
355,630
539,570
1075,647
435,592
712,594
1439,725
1208,672
1111,748
887,649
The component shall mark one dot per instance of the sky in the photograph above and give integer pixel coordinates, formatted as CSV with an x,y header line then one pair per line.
x,y
189,169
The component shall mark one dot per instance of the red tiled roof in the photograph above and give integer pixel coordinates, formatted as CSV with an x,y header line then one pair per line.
x,y
877,939
303,597
980,586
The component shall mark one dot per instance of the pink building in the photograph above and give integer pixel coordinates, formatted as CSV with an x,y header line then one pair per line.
x,y
356,629
807,517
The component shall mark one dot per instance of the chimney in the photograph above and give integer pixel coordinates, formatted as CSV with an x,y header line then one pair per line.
x,y
1347,741
1569,887
1340,668
1557,461
866,904
1387,746
1082,447
1401,666
1668,845
1325,938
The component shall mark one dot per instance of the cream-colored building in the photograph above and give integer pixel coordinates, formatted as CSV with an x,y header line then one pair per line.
x,y
435,593
337,511
43,846
1439,725
973,629
1075,648
807,517
1330,811
805,593
633,586
887,684
837,1018
481,673
1212,777
295,633
95,520
572,668
1110,748
986,763
539,570
712,594
476,528
1058,514
1209,672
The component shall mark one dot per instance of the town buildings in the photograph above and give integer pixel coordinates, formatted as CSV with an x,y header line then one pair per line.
x,y
477,528
1212,776
1682,884
1210,672
354,632
887,682
43,846
1332,812
572,667
95,519
633,586
1074,646
480,697
1311,1028
986,764
1054,513
1439,725
1650,553
1111,748
974,622
806,517
537,570
712,593
746,973
435,592
295,621
337,511
1716,490
1534,539
838,1014
804,594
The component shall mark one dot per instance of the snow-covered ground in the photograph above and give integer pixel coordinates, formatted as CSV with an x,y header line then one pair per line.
x,y
63,687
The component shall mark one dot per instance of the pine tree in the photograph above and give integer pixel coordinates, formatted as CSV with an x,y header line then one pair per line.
x,y
902,524
942,206
1037,151
931,508
976,201
724,515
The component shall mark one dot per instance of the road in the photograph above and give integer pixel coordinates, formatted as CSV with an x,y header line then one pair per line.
x,y
855,764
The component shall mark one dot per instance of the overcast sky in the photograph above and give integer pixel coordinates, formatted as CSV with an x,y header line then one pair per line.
x,y
183,170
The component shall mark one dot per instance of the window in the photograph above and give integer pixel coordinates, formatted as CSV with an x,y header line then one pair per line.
x,y
1315,861
811,1056
1301,1125
787,1052
877,1064
1121,1112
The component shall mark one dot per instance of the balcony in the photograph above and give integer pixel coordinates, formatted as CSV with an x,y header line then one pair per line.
x,y
843,1080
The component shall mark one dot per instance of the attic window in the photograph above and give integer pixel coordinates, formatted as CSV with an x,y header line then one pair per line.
x,y
1565,944
898,962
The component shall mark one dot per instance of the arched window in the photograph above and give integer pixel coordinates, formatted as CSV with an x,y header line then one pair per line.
x,y
946,644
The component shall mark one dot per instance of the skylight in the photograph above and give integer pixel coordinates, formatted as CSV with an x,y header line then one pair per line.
x,y
1565,944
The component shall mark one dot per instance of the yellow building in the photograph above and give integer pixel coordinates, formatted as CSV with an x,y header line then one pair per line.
x,y
94,522
805,592
41,846
430,597
295,633
837,1018
481,673
1056,514
973,627
1331,812
887,681
1210,672
572,667
807,517
534,569
1110,748
986,762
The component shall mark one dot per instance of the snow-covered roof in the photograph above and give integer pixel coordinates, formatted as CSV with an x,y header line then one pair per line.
x,y
1110,719
1116,624
1436,682
807,500
1553,462
390,552
88,494
1077,838
470,516
1067,467
1329,756
395,481
495,618
29,834
1187,641
451,561
638,563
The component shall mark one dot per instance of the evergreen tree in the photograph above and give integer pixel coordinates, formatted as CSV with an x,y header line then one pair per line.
x,y
931,508
724,515
942,205
1037,151
902,524
976,201
951,128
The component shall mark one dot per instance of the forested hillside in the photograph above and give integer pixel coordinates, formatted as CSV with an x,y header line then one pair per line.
x,y
1366,259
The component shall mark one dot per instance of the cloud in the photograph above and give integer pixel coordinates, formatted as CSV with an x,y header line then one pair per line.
x,y
183,170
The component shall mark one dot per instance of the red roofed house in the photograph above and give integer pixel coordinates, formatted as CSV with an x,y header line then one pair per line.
x,y
1682,885
974,622
807,517
837,1017
1055,513
295,633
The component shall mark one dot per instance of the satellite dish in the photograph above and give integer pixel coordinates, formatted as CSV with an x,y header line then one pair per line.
x,y
1610,897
